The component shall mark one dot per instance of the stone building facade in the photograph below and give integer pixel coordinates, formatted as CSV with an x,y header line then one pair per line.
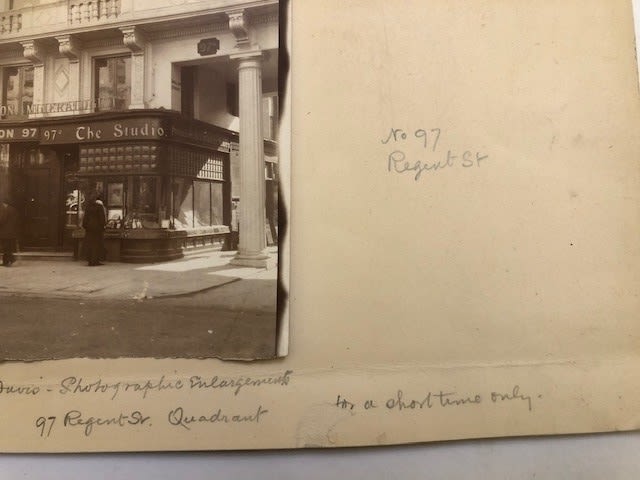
x,y
168,108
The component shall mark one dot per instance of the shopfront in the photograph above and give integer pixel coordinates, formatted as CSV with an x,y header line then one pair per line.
x,y
164,180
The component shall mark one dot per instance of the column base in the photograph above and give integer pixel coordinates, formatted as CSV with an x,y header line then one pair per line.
x,y
261,260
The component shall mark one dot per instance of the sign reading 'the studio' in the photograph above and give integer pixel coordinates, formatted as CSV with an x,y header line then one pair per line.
x,y
138,129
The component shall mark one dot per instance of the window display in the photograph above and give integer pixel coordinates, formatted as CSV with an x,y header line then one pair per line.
x,y
183,204
115,194
202,203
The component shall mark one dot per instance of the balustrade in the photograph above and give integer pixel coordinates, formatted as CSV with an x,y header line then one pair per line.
x,y
83,12
10,22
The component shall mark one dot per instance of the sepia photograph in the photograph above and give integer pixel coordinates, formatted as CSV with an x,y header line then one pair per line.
x,y
463,220
140,193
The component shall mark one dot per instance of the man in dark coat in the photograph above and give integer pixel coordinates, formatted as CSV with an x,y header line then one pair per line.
x,y
8,232
93,223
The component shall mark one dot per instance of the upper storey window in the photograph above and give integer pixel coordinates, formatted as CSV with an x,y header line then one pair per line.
x,y
112,83
17,91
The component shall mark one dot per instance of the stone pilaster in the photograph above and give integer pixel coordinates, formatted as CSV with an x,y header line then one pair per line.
x,y
36,55
70,48
135,41
251,250
137,80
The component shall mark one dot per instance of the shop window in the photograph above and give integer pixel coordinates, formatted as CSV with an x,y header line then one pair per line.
x,y
114,203
129,202
197,203
216,203
201,204
144,194
144,204
17,91
38,157
74,197
112,83
183,203
74,200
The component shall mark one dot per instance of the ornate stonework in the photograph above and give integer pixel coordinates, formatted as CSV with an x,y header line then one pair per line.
x,y
133,38
265,18
68,46
239,26
104,42
11,52
189,31
61,79
32,51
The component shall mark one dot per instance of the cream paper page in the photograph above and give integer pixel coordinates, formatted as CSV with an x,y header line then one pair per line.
x,y
464,247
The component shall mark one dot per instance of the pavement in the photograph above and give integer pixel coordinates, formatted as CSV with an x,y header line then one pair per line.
x,y
228,287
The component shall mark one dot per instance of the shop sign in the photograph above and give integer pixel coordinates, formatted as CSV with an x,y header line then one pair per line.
x,y
19,133
208,46
61,107
145,128
54,107
129,129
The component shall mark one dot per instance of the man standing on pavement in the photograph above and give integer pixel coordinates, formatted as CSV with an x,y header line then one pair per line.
x,y
93,223
8,232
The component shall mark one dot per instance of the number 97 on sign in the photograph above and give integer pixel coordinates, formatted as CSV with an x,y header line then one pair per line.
x,y
51,134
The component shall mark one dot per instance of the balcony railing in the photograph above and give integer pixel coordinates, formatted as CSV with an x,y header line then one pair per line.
x,y
85,12
10,22
59,16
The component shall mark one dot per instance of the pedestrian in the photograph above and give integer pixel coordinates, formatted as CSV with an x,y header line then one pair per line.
x,y
93,223
8,232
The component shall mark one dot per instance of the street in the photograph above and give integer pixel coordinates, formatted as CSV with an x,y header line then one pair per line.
x,y
36,328
195,307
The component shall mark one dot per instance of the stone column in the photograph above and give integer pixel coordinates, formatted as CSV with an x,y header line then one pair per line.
x,y
251,250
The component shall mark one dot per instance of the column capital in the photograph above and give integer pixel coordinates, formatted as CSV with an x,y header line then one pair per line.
x,y
33,51
69,46
247,56
133,38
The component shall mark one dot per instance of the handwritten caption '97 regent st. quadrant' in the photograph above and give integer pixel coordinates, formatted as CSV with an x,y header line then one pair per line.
x,y
420,151
101,399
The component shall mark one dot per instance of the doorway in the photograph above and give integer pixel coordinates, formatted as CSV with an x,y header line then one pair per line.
x,y
40,179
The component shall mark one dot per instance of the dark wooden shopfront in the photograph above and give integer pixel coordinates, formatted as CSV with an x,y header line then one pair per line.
x,y
43,196
53,163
